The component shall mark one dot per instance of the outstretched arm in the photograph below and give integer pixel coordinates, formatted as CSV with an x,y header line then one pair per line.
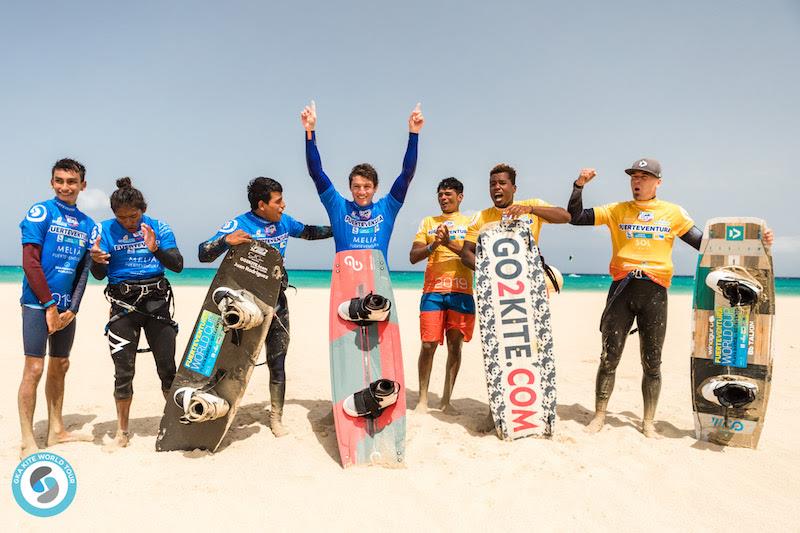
x,y
552,214
315,233
308,117
693,237
400,185
581,216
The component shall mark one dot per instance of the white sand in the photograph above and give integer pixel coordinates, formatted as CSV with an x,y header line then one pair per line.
x,y
455,478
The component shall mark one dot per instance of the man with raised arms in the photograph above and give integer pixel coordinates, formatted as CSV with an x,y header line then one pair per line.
x,y
266,222
534,211
643,231
360,223
55,238
446,308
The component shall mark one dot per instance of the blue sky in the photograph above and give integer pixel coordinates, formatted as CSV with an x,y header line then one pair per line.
x,y
192,99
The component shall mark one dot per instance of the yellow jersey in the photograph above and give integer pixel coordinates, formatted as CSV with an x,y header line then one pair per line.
x,y
445,272
495,215
642,235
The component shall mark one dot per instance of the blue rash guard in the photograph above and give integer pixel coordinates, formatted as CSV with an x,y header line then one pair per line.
x,y
276,234
64,234
355,227
130,259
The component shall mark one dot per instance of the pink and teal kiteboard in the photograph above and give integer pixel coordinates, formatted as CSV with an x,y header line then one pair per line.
x,y
362,353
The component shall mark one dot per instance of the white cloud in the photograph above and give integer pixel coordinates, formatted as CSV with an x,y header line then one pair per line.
x,y
93,200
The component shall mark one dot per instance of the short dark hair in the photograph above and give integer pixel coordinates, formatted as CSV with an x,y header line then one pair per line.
x,y
365,170
261,189
70,165
508,169
451,183
127,195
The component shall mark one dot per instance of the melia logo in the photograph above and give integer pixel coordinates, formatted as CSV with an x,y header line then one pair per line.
x,y
44,484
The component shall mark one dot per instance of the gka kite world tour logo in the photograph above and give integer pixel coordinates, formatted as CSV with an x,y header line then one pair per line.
x,y
44,484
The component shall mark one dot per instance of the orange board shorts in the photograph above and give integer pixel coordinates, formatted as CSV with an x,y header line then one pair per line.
x,y
443,311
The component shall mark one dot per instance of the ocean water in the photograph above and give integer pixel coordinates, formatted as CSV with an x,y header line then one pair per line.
x,y
201,277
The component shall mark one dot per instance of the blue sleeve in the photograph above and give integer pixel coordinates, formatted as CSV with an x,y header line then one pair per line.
x,y
105,239
400,186
295,227
34,225
321,181
165,236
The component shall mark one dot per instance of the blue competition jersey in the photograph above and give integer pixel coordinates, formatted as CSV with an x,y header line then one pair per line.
x,y
276,234
358,228
130,259
64,234
361,228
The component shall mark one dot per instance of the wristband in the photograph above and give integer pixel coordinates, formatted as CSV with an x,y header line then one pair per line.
x,y
48,304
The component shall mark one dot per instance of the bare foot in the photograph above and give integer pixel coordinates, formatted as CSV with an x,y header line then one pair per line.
x,y
121,440
421,408
487,425
27,448
276,425
649,429
596,423
448,409
68,436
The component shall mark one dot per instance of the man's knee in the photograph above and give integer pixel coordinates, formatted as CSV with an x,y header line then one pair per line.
x,y
123,388
124,371
429,346
454,337
609,362
58,365
652,366
34,368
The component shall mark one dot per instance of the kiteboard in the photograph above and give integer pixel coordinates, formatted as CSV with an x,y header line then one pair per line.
x,y
514,321
734,311
226,341
361,354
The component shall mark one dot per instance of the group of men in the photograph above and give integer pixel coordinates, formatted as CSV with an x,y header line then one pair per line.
x,y
56,235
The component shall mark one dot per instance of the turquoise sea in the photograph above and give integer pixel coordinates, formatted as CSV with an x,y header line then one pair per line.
x,y
200,277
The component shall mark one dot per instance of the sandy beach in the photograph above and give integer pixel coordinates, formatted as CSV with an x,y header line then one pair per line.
x,y
455,477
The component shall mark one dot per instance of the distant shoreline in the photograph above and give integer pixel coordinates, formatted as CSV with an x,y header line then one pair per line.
x,y
320,279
